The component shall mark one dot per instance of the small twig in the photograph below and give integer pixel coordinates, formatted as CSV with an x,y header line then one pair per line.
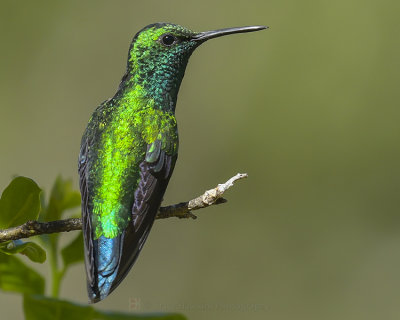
x,y
181,210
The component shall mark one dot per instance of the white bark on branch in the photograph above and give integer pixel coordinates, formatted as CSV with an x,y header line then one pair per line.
x,y
181,210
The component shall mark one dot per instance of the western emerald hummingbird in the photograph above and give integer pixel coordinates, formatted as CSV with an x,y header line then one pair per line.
x,y
129,150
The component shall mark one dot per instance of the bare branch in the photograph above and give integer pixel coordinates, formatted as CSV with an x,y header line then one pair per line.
x,y
181,210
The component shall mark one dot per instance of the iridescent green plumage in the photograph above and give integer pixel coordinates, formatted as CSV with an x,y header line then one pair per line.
x,y
128,152
123,139
142,112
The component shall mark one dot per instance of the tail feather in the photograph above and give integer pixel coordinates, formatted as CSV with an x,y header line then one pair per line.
x,y
113,258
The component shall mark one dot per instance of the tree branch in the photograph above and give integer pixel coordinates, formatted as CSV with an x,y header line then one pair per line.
x,y
181,210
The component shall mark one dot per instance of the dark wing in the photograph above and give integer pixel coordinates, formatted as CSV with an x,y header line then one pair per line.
x,y
105,274
89,244
86,220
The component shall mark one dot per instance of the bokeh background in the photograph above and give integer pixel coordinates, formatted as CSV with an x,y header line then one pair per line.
x,y
309,109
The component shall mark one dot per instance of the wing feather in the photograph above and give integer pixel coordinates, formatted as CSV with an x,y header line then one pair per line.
x,y
86,217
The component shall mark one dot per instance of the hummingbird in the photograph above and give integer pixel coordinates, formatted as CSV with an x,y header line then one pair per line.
x,y
129,149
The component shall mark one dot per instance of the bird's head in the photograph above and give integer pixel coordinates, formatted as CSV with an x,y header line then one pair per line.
x,y
159,53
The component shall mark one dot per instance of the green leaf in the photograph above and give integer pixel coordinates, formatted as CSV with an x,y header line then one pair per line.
x,y
19,202
30,249
104,315
38,307
73,252
62,198
18,277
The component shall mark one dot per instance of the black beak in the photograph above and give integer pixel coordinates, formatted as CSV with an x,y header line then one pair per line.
x,y
204,36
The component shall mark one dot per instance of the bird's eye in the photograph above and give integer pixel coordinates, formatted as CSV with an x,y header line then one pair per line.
x,y
168,40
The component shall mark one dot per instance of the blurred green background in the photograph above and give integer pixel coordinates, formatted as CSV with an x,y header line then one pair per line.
x,y
309,108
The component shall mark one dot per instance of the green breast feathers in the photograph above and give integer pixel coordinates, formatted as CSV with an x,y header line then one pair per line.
x,y
128,133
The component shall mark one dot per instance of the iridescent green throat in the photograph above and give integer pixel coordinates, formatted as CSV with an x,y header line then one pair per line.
x,y
159,70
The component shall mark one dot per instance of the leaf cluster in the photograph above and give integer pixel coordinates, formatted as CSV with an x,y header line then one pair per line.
x,y
23,200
